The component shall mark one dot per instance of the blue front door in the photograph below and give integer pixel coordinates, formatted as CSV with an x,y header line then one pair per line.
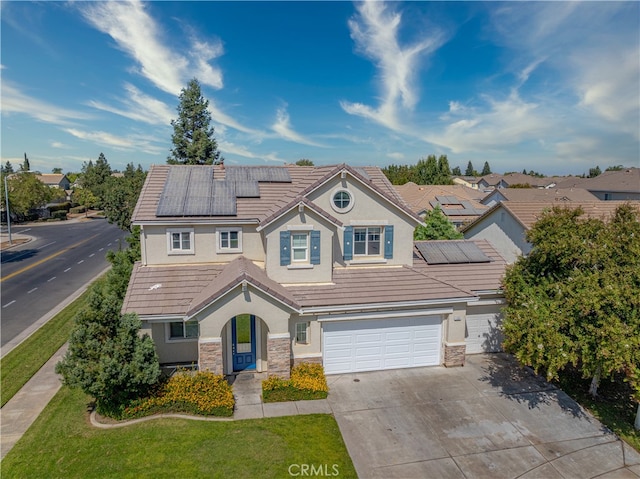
x,y
243,337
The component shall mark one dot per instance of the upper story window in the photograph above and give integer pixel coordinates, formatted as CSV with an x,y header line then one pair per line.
x,y
366,241
180,241
229,240
341,200
300,246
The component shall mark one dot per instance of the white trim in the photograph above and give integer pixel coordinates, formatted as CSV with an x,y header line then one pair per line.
x,y
458,343
369,222
341,189
373,260
384,315
311,207
370,306
307,326
300,266
170,221
210,340
307,356
168,339
278,336
229,250
299,227
489,302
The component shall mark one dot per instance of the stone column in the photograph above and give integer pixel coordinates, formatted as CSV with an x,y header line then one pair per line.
x,y
454,354
210,355
279,355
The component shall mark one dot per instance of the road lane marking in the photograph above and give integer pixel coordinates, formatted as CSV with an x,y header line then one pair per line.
x,y
66,270
92,255
43,260
29,292
81,261
100,249
48,244
9,304
108,244
51,279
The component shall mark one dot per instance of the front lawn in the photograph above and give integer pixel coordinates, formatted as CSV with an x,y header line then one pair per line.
x,y
62,443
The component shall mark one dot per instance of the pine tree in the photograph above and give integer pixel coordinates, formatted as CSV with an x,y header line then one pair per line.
x,y
444,172
469,171
456,171
193,141
25,165
486,169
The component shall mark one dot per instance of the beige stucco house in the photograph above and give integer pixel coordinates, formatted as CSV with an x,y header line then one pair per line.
x,y
264,267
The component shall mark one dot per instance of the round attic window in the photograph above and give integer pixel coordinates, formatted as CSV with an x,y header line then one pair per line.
x,y
342,201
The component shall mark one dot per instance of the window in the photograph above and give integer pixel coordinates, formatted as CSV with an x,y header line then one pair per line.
x,y
301,332
182,330
341,200
180,241
300,246
229,241
366,241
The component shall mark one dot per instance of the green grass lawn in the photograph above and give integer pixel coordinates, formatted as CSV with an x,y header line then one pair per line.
x,y
17,367
62,444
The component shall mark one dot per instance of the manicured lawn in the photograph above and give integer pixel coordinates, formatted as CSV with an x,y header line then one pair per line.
x,y
62,443
17,367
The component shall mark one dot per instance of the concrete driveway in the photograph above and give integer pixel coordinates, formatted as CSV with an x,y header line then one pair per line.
x,y
488,419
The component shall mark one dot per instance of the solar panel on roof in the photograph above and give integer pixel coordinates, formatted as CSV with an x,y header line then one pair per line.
x,y
247,189
451,252
223,199
258,173
362,171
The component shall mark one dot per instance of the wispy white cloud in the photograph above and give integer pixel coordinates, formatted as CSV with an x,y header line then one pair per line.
x,y
15,101
231,148
132,142
375,31
138,106
282,126
58,144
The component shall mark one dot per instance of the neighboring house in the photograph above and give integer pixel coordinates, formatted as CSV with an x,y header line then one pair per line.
x,y
505,225
468,181
265,267
460,204
560,195
617,185
55,180
495,181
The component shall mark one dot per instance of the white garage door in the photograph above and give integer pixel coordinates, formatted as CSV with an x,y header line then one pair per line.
x,y
371,345
483,335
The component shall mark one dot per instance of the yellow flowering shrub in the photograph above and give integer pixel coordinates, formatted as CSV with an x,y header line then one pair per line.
x,y
307,382
202,393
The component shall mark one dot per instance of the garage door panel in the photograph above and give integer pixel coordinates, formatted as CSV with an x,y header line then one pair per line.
x,y
483,333
381,344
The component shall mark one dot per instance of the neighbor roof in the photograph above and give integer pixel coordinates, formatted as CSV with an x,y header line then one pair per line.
x,y
624,181
542,194
51,178
454,200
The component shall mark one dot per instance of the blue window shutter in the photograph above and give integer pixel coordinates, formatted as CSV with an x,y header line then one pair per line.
x,y
285,248
315,247
348,243
388,242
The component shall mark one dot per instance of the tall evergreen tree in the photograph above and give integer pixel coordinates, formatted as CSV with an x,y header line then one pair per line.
x,y
456,171
95,177
193,141
469,171
25,165
486,169
7,169
444,172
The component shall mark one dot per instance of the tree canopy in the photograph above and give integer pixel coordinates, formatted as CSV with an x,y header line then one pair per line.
x,y
26,192
122,194
575,299
193,141
95,177
304,162
427,171
437,227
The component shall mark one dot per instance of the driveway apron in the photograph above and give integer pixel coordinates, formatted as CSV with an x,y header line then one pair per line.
x,y
488,419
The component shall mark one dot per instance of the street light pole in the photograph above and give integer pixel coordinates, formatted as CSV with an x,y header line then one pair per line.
x,y
6,197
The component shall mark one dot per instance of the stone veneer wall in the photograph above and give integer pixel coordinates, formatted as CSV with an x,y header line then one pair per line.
x,y
454,355
210,356
279,356
298,361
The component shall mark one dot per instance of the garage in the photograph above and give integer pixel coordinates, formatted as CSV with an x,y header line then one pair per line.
x,y
372,345
483,334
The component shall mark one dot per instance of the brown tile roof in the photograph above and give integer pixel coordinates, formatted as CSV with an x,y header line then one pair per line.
x,y
420,198
627,181
543,194
470,276
273,196
527,213
370,285
182,290
296,201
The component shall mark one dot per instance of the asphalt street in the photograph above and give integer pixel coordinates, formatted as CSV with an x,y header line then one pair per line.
x,y
40,274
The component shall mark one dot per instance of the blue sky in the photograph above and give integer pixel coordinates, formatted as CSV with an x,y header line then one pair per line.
x,y
549,86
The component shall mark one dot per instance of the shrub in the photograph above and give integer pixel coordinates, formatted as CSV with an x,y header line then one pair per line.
x,y
307,382
59,207
59,215
202,393
77,210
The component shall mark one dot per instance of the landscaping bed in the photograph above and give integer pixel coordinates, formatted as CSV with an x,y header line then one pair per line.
x,y
307,382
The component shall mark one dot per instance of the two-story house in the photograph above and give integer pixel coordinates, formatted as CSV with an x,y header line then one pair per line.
x,y
264,267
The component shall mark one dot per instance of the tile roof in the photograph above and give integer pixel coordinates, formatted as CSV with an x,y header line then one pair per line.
x,y
421,198
295,202
542,194
273,195
369,285
527,213
471,276
626,180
